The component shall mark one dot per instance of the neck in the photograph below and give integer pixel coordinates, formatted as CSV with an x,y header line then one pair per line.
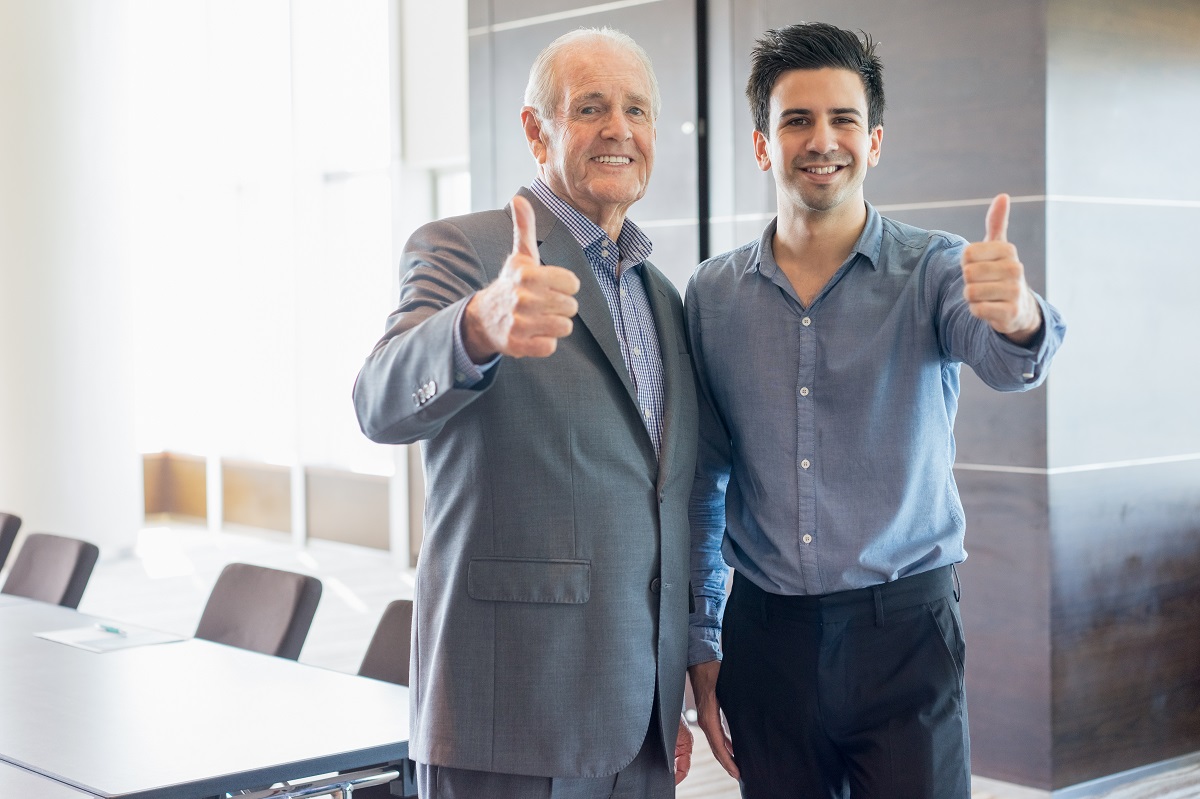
x,y
816,236
610,222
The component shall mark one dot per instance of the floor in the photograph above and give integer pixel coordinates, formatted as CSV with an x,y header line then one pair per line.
x,y
164,581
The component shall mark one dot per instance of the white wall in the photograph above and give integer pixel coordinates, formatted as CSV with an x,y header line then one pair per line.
x,y
67,459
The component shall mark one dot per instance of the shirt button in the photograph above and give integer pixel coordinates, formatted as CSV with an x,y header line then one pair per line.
x,y
807,539
637,350
804,391
806,321
624,292
604,252
646,412
804,464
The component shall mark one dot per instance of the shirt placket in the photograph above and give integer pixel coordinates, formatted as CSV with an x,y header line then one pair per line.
x,y
806,466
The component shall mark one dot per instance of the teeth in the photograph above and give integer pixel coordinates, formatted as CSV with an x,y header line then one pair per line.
x,y
822,170
612,159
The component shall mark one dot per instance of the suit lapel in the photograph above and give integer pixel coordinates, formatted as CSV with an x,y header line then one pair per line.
x,y
668,346
558,247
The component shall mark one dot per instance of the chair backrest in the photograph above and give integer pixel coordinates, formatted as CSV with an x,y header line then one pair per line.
x,y
52,568
387,654
9,524
263,610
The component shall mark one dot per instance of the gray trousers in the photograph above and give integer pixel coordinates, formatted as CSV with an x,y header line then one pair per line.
x,y
647,777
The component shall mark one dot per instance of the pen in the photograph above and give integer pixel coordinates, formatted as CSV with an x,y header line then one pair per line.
x,y
108,628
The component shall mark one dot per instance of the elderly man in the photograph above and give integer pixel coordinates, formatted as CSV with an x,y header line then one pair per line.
x,y
541,360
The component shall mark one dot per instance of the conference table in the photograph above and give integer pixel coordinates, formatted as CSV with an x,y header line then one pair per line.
x,y
188,719
18,782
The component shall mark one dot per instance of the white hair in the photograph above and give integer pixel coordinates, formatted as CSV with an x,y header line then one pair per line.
x,y
542,91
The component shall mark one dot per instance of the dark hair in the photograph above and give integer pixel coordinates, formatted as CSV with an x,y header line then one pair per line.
x,y
812,45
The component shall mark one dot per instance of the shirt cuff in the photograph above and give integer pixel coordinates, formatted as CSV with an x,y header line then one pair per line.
x,y
704,633
1033,355
467,373
704,645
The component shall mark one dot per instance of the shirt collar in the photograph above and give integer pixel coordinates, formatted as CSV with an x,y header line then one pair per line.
x,y
633,244
869,243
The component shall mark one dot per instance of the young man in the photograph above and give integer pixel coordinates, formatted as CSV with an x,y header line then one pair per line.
x,y
828,355
539,358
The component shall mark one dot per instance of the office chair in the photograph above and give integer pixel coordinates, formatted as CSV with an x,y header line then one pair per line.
x,y
263,610
52,568
387,660
9,524
387,654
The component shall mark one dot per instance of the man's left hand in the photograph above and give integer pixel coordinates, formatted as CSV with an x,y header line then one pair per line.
x,y
994,281
683,751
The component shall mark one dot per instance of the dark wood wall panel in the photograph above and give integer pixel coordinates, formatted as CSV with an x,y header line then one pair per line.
x,y
1126,618
1005,609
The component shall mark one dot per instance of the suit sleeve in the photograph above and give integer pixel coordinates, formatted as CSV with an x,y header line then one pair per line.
x,y
406,390
706,507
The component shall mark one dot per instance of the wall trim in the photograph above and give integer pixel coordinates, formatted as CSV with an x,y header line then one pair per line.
x,y
1102,785
1083,467
556,16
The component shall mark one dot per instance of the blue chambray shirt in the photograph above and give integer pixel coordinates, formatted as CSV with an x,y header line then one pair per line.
x,y
826,433
617,267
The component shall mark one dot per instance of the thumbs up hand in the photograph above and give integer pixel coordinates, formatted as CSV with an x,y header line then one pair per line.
x,y
528,308
994,281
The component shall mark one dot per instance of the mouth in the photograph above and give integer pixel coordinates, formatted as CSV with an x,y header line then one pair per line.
x,y
828,169
617,160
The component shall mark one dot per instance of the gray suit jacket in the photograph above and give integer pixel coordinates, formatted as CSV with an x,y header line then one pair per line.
x,y
552,590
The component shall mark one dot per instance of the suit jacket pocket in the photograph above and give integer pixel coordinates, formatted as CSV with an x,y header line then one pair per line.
x,y
530,580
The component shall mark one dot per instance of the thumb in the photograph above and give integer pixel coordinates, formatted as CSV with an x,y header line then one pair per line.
x,y
524,228
997,219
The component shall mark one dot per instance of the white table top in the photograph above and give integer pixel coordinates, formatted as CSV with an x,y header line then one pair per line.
x,y
184,719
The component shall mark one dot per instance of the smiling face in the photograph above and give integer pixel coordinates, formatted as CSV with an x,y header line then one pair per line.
x,y
819,146
596,151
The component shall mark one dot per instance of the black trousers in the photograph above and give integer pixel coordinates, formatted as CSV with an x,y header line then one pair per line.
x,y
855,694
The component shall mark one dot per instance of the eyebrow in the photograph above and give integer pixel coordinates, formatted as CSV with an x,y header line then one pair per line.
x,y
635,98
851,111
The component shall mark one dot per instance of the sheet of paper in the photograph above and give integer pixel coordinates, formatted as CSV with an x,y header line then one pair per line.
x,y
108,637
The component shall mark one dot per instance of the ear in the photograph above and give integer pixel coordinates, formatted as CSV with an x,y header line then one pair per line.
x,y
876,146
533,133
761,152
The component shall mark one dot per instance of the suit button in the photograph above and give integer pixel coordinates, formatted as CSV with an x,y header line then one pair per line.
x,y
655,585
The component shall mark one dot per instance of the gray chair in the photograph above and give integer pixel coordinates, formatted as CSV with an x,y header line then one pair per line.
x,y
387,654
263,610
387,660
52,568
9,524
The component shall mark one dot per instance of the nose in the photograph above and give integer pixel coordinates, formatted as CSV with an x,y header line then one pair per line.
x,y
822,138
616,126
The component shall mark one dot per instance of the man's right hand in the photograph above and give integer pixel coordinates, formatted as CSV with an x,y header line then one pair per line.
x,y
528,308
708,713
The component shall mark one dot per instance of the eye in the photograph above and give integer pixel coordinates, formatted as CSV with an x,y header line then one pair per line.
x,y
796,121
637,112
588,110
